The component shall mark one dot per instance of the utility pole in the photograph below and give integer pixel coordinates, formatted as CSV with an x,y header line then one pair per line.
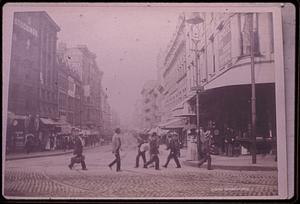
x,y
253,94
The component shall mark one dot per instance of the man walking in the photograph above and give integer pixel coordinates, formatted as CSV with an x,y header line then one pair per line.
x,y
116,145
174,151
154,146
79,157
141,152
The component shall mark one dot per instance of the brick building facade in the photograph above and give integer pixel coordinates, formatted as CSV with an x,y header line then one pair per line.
x,y
33,76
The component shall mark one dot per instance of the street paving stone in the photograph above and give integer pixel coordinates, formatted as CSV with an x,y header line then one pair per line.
x,y
27,182
41,178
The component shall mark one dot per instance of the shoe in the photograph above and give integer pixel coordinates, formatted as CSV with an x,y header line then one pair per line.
x,y
110,167
145,167
85,169
178,167
164,166
70,167
158,169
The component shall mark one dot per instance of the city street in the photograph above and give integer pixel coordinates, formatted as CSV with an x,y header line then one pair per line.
x,y
212,85
51,177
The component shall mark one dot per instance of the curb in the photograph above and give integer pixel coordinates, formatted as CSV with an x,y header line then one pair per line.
x,y
37,156
234,168
46,155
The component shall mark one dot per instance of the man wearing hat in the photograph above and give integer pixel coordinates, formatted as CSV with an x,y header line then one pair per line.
x,y
79,157
141,151
174,151
154,146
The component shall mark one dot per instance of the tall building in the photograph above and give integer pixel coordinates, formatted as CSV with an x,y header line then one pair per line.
x,y
33,82
220,46
212,57
137,122
70,90
83,62
115,119
33,75
106,117
150,108
174,81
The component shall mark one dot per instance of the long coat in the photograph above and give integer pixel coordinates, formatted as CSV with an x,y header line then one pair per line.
x,y
78,148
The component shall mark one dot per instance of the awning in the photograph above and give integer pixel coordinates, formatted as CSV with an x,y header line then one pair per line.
x,y
181,104
174,124
48,121
185,110
62,123
65,128
158,131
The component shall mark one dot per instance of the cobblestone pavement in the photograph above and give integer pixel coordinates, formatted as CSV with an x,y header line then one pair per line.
x,y
50,177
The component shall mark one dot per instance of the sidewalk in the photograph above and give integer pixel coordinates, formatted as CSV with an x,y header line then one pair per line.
x,y
17,156
240,163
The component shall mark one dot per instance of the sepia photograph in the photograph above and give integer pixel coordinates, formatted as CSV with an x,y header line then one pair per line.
x,y
148,101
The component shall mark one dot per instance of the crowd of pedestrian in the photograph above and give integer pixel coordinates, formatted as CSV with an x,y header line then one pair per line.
x,y
144,144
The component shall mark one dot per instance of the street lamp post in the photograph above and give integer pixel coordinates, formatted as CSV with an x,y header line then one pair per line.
x,y
253,94
195,20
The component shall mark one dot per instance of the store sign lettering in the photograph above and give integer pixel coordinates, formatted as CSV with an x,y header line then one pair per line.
x,y
26,27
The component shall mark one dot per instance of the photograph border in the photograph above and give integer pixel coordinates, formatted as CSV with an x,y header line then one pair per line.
x,y
281,103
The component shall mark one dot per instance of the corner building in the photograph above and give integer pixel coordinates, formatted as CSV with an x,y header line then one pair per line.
x,y
224,73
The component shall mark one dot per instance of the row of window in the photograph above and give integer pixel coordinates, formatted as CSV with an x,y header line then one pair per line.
x,y
218,52
48,95
48,109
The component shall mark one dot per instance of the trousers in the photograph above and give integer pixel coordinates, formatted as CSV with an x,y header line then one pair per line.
x,y
154,158
117,160
174,156
140,154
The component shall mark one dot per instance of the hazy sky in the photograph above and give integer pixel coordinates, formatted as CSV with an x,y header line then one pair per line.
x,y
126,38
126,41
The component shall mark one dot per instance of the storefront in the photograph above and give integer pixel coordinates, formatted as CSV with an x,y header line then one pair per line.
x,y
15,139
176,125
47,133
63,134
230,108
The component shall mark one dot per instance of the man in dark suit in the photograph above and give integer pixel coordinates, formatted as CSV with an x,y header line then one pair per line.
x,y
174,148
79,157
154,146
